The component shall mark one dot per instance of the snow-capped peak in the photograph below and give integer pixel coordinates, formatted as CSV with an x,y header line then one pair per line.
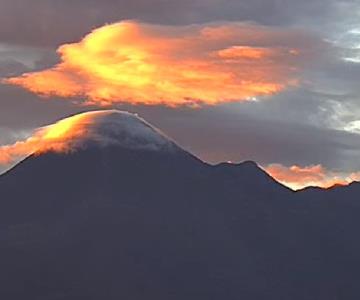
x,y
95,128
108,127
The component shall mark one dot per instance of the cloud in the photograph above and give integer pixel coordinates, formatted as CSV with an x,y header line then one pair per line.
x,y
51,22
62,136
101,127
131,62
303,126
239,138
297,177
55,137
291,128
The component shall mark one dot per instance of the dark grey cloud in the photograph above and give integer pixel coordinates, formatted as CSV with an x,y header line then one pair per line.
x,y
12,67
53,22
16,60
21,110
279,130
291,128
304,125
267,132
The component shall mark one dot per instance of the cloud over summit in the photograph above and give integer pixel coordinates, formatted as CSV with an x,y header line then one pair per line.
x,y
137,63
101,127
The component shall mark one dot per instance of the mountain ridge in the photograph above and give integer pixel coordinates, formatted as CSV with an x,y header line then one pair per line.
x,y
114,222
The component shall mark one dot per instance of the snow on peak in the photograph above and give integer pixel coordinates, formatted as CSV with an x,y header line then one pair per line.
x,y
101,128
106,127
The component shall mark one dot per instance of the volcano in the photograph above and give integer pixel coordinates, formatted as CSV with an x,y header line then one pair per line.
x,y
108,207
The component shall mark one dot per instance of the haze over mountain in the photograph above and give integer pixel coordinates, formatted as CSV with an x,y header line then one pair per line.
x,y
108,207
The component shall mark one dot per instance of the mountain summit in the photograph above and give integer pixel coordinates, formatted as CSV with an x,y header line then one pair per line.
x,y
98,129
118,211
103,128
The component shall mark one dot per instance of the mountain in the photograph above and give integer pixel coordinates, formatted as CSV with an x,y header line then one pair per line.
x,y
124,213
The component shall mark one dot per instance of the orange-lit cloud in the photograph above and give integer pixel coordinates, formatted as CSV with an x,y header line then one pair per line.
x,y
57,137
131,62
103,127
297,177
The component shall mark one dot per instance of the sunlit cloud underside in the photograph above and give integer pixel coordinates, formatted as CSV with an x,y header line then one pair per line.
x,y
131,62
297,177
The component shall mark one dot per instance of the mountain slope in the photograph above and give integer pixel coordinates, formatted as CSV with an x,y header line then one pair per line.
x,y
109,221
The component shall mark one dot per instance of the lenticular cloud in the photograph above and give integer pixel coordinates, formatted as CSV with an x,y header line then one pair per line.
x,y
131,62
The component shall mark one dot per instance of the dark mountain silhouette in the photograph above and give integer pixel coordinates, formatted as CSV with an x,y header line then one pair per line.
x,y
113,221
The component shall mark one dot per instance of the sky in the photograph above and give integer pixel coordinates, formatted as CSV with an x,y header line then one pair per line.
x,y
274,81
